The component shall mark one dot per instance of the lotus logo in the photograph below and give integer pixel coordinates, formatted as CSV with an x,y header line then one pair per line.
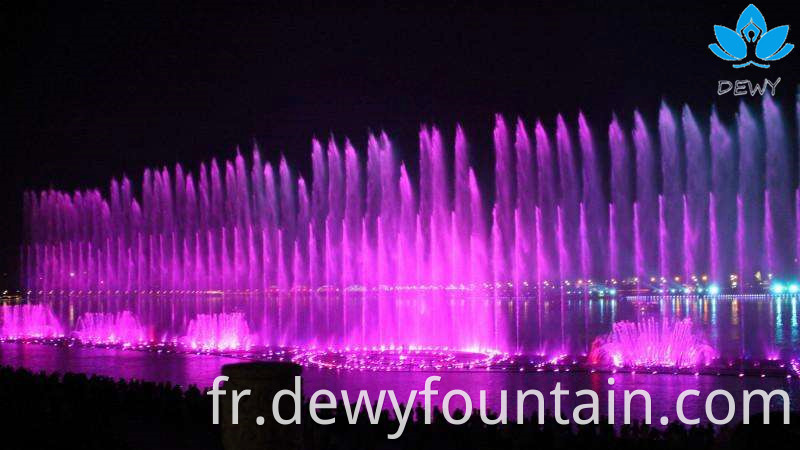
x,y
751,30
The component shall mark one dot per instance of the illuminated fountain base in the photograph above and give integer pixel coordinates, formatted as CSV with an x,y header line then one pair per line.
x,y
111,328
519,335
218,332
28,321
406,359
652,344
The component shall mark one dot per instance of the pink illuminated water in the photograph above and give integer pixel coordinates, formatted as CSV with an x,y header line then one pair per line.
x,y
227,331
112,328
652,344
522,330
28,321
360,219
368,250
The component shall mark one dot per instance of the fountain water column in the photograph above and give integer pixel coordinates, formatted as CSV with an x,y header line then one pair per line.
x,y
547,261
505,187
780,223
647,210
595,204
671,202
696,199
319,212
723,217
568,211
751,194
623,252
525,237
462,215
251,228
334,222
349,209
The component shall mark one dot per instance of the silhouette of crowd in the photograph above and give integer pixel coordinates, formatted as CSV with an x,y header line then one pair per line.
x,y
75,411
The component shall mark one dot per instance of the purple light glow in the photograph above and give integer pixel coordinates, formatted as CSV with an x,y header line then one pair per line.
x,y
392,359
367,255
668,346
554,214
28,321
227,331
652,344
111,328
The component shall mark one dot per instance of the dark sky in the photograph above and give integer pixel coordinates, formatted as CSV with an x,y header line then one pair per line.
x,y
98,90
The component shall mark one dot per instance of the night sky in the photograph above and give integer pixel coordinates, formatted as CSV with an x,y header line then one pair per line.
x,y
96,91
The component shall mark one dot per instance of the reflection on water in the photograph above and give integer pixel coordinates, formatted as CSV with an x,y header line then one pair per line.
x,y
755,327
200,370
750,327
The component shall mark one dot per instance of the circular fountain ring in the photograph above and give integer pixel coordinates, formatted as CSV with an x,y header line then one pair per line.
x,y
398,359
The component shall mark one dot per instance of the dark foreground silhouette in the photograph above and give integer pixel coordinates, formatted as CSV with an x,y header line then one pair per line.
x,y
39,411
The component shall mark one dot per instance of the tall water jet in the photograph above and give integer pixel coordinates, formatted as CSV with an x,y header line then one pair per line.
x,y
797,192
751,193
440,214
647,205
334,233
288,227
372,212
623,188
426,208
780,223
525,262
479,253
687,204
505,187
547,260
723,201
319,210
348,208
407,238
696,199
595,203
274,251
301,266
461,209
568,214
672,251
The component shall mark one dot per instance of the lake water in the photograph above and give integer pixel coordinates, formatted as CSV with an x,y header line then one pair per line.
x,y
749,328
